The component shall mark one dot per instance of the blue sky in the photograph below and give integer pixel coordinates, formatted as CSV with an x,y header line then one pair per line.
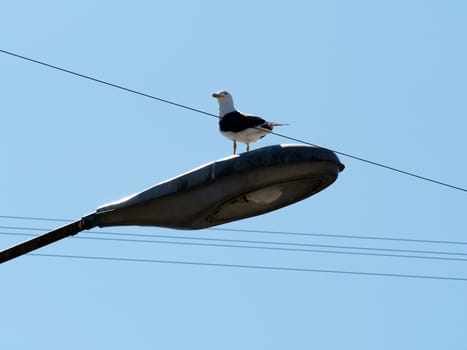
x,y
382,80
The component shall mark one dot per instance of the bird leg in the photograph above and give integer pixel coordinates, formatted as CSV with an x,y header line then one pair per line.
x,y
248,147
235,147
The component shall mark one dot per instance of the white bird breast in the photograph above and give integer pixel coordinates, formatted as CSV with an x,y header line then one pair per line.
x,y
245,136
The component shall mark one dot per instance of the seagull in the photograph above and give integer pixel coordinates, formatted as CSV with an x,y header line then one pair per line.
x,y
238,126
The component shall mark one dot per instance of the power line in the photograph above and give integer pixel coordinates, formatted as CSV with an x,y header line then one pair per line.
x,y
106,83
377,238
412,240
376,164
292,244
32,218
275,243
275,248
216,116
278,245
250,267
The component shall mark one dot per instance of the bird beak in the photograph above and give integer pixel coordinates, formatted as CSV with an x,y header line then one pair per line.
x,y
216,95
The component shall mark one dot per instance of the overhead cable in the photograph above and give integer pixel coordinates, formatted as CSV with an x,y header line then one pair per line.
x,y
100,81
251,267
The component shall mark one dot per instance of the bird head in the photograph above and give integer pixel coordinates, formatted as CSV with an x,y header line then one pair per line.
x,y
225,100
222,96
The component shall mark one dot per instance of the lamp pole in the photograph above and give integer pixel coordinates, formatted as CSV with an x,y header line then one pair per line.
x,y
67,230
230,189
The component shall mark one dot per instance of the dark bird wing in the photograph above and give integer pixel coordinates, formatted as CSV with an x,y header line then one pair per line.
x,y
236,121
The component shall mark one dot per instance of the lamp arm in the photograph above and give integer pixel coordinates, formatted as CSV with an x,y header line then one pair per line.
x,y
71,229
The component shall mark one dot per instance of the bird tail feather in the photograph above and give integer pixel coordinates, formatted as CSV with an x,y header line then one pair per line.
x,y
276,124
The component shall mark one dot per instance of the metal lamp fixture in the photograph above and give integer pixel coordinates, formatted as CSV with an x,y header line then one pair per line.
x,y
222,191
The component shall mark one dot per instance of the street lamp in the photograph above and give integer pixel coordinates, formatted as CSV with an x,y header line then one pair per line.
x,y
222,191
